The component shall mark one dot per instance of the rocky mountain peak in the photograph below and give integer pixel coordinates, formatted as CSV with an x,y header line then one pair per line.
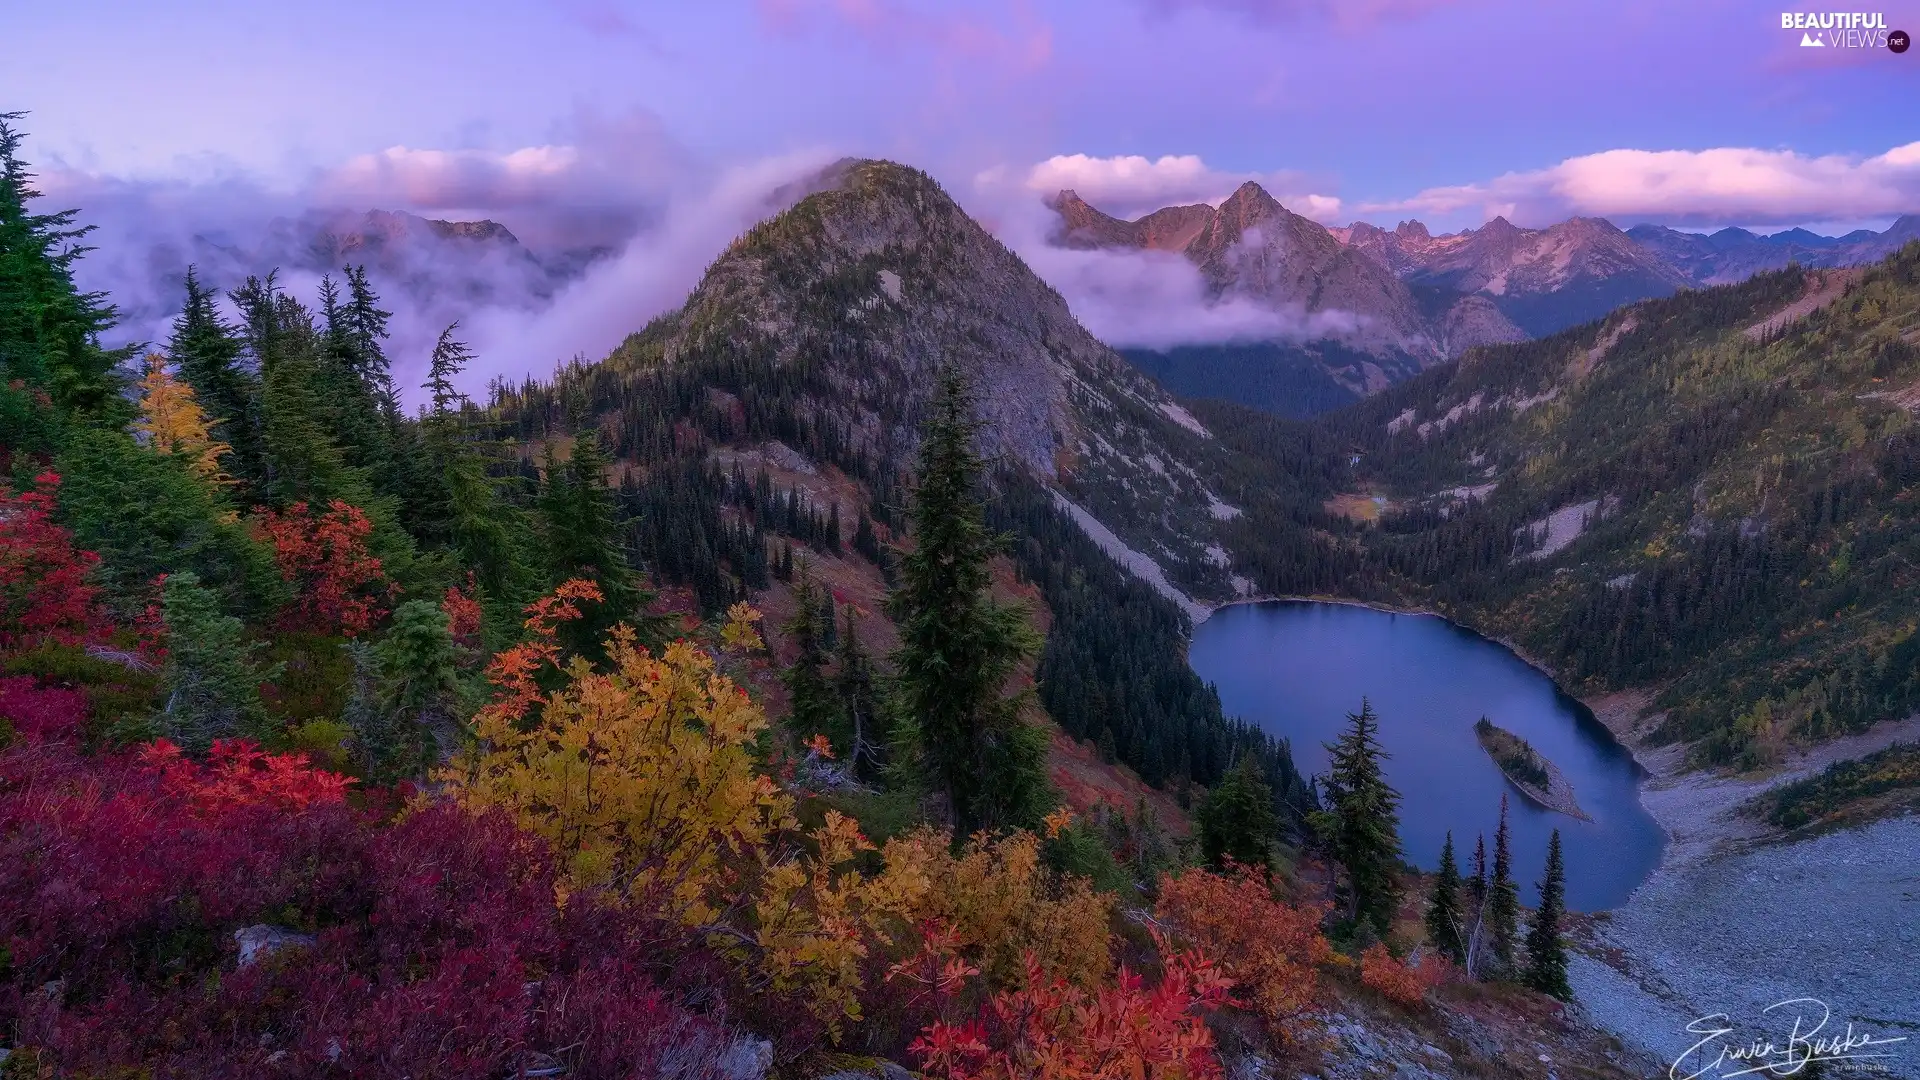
x,y
1412,230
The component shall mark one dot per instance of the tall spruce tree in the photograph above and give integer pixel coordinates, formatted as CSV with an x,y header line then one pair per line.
x,y
959,648
1361,826
1446,921
853,684
209,352
812,708
49,329
466,509
1502,916
583,541
1237,820
1546,952
212,675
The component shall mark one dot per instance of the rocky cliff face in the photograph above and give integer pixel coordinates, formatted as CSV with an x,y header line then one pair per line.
x,y
863,289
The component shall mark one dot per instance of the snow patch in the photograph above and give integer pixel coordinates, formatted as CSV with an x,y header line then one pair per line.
x,y
1562,527
890,284
1185,419
1221,511
1139,565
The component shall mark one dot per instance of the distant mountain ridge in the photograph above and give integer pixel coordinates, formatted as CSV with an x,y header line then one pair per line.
x,y
1383,304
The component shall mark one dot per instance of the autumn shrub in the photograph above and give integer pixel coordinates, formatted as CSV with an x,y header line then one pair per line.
x,y
1050,1029
643,776
1004,906
1270,949
438,947
115,690
41,712
45,595
339,587
1398,981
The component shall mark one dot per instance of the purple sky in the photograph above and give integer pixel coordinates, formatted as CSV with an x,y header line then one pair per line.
x,y
561,117
1369,101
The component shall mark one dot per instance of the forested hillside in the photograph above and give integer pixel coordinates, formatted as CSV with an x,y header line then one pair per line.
x,y
1712,494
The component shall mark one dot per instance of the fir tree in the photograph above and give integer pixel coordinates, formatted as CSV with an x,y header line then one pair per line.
x,y
1546,952
208,352
212,677
415,681
363,328
959,647
1502,915
49,329
1236,818
853,683
1362,825
583,541
1446,922
812,709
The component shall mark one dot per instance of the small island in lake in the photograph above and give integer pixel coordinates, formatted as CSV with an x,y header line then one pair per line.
x,y
1536,777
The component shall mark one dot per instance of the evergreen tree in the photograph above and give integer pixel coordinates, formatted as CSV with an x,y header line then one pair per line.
x,y
812,708
212,677
1546,952
1237,819
1446,922
958,646
1502,915
363,327
853,684
49,329
208,351
415,682
1362,824
583,541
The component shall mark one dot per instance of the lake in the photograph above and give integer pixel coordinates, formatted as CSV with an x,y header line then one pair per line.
x,y
1298,668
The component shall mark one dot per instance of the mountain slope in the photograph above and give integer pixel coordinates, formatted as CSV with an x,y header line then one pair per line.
x,y
1544,280
1735,254
1693,495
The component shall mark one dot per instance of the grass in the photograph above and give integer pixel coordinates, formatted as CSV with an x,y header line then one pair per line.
x,y
1846,787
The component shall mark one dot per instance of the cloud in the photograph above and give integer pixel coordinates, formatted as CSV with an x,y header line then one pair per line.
x,y
1146,299
1130,185
617,225
1721,186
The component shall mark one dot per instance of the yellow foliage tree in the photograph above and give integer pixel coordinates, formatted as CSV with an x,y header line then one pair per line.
x,y
1000,902
642,777
173,422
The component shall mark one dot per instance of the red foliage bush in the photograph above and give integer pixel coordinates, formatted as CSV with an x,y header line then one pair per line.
x,y
1396,980
44,594
339,587
1052,1030
439,949
41,712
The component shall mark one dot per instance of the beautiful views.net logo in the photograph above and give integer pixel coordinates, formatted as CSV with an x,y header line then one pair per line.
x,y
1837,29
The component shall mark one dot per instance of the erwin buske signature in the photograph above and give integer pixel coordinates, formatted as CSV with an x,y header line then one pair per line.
x,y
1805,1046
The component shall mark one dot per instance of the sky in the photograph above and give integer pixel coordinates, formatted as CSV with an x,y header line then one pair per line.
x,y
651,121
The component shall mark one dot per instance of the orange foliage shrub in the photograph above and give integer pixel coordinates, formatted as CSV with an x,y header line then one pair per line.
x,y
1397,981
238,773
339,587
1270,949
463,615
642,776
1002,905
1050,1029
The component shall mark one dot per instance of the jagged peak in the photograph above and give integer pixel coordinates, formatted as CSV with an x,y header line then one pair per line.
x,y
1412,229
1499,226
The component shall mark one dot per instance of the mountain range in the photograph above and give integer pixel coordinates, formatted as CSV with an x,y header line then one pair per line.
x,y
1376,305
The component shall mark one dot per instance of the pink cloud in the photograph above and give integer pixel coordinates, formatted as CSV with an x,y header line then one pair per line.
x,y
1723,185
1130,185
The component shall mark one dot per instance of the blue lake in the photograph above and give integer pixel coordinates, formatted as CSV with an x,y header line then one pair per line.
x,y
1298,668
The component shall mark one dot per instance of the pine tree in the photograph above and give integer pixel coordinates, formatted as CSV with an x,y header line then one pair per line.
x,y
812,709
959,647
853,683
1362,824
208,352
1446,923
49,329
1503,903
363,328
1546,952
212,677
415,681
1236,818
583,540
